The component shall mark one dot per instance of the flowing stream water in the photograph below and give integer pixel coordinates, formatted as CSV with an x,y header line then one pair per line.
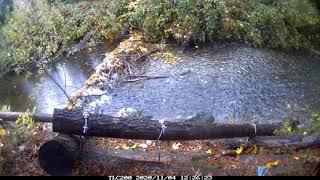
x,y
229,81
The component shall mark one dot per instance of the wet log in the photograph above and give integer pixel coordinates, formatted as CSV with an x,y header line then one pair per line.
x,y
72,122
13,116
57,156
293,142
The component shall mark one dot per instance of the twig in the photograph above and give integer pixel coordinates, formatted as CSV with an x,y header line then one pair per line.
x,y
95,95
127,64
147,54
59,87
65,79
143,78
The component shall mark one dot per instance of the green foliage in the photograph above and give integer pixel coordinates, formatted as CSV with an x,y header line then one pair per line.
x,y
3,61
26,123
277,24
11,139
315,123
293,127
37,32
3,134
287,129
5,108
26,128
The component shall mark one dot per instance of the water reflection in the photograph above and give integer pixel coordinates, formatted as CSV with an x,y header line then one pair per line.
x,y
41,92
69,76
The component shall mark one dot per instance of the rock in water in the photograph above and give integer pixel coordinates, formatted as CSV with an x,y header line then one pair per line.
x,y
129,112
202,117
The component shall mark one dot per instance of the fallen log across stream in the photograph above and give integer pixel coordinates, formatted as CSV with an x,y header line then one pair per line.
x,y
72,122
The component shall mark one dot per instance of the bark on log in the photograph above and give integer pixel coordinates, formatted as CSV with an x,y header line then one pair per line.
x,y
13,116
72,122
57,156
294,142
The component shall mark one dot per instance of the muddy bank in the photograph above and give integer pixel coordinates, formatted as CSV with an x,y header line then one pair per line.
x,y
231,82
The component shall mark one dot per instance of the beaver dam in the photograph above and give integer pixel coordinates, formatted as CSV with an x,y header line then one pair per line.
x,y
220,82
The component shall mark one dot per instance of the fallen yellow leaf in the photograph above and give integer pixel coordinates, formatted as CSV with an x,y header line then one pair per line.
x,y
175,146
209,151
143,49
144,146
254,151
125,147
2,132
272,164
149,143
134,146
239,150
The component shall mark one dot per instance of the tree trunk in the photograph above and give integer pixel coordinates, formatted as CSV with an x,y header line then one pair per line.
x,y
72,122
57,156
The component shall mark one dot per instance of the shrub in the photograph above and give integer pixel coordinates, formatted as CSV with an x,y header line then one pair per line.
x,y
37,32
277,24
12,137
292,126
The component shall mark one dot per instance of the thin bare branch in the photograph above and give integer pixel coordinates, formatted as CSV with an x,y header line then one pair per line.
x,y
65,93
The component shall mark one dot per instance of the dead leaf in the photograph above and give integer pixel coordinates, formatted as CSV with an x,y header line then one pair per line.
x,y
144,146
175,146
134,146
2,132
125,147
272,164
209,151
239,150
254,151
149,143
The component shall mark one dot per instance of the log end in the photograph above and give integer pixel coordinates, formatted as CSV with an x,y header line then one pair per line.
x,y
56,159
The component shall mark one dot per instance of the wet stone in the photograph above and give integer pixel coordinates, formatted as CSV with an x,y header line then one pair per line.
x,y
129,112
202,117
